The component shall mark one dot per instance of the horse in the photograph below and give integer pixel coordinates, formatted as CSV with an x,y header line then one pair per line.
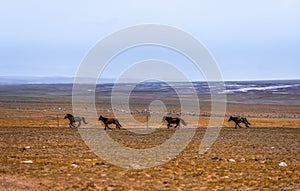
x,y
239,119
73,120
108,121
175,120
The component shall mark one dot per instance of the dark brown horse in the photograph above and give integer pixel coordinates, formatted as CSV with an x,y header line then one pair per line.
x,y
73,120
173,120
239,119
108,121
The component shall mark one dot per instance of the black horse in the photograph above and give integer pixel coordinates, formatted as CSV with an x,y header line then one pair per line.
x,y
238,119
108,121
173,120
73,120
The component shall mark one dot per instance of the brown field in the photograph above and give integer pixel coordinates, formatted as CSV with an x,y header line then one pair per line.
x,y
240,159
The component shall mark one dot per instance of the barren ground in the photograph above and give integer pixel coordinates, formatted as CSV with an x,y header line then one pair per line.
x,y
39,152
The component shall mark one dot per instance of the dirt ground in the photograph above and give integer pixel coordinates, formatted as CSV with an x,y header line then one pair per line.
x,y
40,152
241,159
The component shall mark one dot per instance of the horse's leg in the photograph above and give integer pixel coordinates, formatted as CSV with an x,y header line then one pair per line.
x,y
118,125
246,124
247,121
168,125
239,125
71,124
106,126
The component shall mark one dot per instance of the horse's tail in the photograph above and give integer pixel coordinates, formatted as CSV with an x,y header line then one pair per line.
x,y
163,119
83,119
247,121
183,122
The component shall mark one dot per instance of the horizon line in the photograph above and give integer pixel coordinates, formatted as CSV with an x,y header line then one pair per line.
x,y
71,80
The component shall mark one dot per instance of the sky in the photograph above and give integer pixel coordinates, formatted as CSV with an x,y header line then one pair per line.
x,y
249,40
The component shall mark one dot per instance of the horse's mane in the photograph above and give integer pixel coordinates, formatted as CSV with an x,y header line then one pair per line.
x,y
103,118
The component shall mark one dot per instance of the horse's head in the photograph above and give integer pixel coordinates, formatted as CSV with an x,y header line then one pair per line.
x,y
164,118
100,118
230,118
67,116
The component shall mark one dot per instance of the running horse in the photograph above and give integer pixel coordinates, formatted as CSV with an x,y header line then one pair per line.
x,y
173,120
239,119
108,121
73,120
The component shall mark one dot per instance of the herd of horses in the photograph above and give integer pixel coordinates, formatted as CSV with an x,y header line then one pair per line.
x,y
170,120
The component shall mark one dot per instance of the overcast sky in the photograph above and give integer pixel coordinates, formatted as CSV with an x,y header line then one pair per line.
x,y
250,40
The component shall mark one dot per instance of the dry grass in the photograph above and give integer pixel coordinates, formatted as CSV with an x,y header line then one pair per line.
x,y
257,153
62,161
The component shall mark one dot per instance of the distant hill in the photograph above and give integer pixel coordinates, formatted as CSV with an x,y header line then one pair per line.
x,y
70,80
34,80
43,80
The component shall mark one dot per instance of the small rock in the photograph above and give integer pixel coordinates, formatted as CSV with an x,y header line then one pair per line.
x,y
100,164
135,166
74,164
231,160
243,160
26,147
27,162
148,175
216,158
111,187
263,161
282,164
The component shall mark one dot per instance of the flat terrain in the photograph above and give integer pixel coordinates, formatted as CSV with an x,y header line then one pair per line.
x,y
40,152
242,159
